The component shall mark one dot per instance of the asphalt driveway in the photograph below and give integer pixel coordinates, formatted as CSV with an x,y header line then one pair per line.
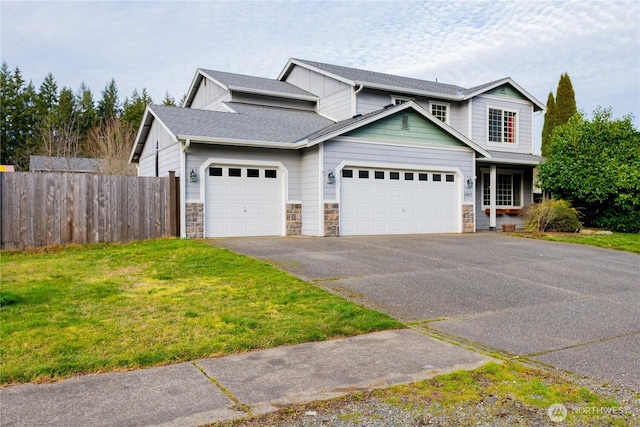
x,y
575,307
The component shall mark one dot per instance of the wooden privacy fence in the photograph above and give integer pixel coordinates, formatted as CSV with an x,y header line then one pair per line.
x,y
41,209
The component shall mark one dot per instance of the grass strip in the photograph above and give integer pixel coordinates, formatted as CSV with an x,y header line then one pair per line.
x,y
96,308
628,242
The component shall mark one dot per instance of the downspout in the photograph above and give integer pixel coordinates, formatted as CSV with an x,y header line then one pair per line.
x,y
354,106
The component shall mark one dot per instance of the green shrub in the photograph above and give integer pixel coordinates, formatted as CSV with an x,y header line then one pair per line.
x,y
551,215
619,219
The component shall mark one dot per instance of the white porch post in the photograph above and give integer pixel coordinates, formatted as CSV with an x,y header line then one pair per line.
x,y
492,197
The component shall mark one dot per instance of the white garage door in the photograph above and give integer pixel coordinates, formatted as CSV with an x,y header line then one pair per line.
x,y
243,201
379,201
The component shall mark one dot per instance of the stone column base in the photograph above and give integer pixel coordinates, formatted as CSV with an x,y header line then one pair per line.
x,y
294,219
194,220
468,219
331,219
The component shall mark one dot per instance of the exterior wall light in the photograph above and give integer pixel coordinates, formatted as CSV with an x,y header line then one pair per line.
x,y
193,176
331,178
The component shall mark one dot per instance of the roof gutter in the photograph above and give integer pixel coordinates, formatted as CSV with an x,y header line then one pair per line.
x,y
242,142
412,91
273,93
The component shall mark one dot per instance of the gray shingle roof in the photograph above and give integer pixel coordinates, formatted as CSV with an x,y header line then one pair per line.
x,y
251,82
480,87
516,157
63,164
389,80
250,122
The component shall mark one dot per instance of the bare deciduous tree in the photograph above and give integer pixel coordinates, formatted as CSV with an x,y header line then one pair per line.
x,y
111,142
58,141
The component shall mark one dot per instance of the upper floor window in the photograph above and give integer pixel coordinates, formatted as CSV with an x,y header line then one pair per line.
x,y
397,100
440,111
502,126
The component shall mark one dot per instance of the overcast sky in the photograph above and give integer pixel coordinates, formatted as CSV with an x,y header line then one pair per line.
x,y
158,45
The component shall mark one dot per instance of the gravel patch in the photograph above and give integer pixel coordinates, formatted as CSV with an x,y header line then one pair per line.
x,y
370,410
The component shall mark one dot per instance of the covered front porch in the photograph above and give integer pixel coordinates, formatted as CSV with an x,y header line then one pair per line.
x,y
504,186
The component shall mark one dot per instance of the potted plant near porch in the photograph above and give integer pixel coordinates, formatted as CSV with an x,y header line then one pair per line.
x,y
508,227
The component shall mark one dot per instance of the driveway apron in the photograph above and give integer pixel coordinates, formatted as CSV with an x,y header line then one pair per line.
x,y
575,307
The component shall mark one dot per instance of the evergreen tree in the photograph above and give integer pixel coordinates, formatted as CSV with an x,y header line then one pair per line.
x,y
133,109
549,124
18,116
66,111
565,106
86,110
109,105
559,111
47,96
168,100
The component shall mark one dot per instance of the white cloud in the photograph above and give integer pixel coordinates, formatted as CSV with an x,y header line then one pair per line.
x,y
159,45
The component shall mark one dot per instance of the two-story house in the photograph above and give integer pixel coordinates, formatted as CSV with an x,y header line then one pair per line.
x,y
326,150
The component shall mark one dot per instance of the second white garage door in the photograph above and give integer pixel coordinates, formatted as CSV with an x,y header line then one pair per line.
x,y
379,201
243,201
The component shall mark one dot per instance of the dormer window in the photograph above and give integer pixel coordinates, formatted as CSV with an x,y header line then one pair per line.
x,y
397,100
440,111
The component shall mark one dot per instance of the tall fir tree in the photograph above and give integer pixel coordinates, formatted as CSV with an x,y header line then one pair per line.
x,y
18,116
558,112
109,104
133,109
549,124
565,106
168,100
47,96
86,110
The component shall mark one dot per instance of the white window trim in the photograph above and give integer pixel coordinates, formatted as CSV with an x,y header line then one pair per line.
x,y
484,171
395,98
443,104
503,144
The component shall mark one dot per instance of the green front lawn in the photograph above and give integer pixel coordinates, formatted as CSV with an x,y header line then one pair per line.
x,y
628,242
105,307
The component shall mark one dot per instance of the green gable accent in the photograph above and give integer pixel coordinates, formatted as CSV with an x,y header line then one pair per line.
x,y
420,131
506,91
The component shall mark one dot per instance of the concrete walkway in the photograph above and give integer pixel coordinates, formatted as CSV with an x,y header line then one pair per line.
x,y
209,390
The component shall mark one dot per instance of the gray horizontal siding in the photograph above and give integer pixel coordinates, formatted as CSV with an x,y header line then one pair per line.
x,y
337,106
199,153
168,160
525,123
310,183
271,101
337,151
458,117
315,83
168,152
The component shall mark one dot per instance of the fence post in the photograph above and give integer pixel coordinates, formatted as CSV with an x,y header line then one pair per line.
x,y
173,217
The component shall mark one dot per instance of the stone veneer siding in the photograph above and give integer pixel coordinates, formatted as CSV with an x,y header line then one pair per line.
x,y
294,219
195,220
331,220
468,220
